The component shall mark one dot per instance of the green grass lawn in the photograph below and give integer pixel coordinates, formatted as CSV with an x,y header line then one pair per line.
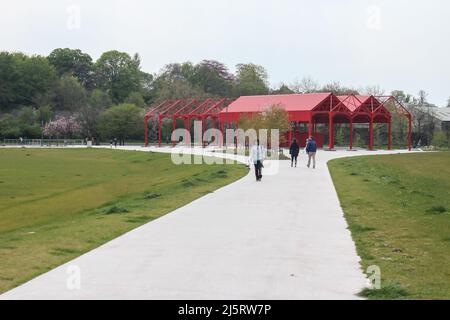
x,y
57,204
398,210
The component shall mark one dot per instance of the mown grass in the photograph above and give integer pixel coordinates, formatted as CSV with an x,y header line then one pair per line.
x,y
398,211
57,204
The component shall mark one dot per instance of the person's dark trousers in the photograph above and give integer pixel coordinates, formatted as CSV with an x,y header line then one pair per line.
x,y
294,159
258,171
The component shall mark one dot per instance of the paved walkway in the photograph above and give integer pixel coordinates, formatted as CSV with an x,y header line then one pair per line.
x,y
284,238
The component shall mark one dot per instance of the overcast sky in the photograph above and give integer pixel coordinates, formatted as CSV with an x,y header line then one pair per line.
x,y
396,44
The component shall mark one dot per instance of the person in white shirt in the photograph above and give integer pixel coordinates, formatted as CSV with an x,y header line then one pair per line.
x,y
257,156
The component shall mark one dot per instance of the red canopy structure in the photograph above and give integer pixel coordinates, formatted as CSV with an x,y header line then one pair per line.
x,y
199,109
309,109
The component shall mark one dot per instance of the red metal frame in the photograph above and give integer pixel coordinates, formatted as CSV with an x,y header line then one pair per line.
x,y
400,110
332,109
327,112
184,109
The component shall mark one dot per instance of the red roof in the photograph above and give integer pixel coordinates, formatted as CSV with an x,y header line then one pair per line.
x,y
289,102
362,98
353,102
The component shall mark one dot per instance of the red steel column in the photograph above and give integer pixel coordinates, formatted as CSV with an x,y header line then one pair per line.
x,y
214,131
146,131
159,130
236,127
409,133
351,134
390,134
174,127
310,124
203,131
187,127
199,136
331,131
371,133
290,133
222,129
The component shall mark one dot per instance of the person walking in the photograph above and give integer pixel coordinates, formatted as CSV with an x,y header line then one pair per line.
x,y
294,149
311,150
115,142
257,156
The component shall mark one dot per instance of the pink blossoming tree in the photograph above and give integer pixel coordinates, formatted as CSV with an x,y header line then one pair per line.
x,y
62,127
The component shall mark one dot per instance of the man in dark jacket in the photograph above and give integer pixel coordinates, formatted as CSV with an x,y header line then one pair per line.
x,y
311,149
293,151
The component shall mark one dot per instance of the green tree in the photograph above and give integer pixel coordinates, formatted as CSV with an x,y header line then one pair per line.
x,y
137,99
336,88
146,86
22,78
69,94
9,127
73,62
28,118
44,114
283,89
25,123
38,77
118,74
402,96
274,118
254,121
122,121
99,99
440,140
213,78
339,137
9,80
174,81
251,79
88,116
176,72
177,89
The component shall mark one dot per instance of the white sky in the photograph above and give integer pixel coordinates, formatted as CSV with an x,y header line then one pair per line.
x,y
397,44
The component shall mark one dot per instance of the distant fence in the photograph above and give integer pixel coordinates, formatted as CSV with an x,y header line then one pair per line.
x,y
43,142
58,142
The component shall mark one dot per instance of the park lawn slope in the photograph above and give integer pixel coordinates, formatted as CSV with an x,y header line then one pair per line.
x,y
398,211
57,204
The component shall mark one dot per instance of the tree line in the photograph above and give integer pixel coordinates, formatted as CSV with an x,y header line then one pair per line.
x,y
67,94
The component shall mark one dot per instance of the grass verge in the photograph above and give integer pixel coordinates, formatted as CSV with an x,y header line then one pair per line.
x,y
398,211
57,204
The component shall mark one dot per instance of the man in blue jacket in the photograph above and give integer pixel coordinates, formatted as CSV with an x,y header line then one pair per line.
x,y
311,149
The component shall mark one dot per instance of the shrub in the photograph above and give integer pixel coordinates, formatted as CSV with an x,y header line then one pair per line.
x,y
440,140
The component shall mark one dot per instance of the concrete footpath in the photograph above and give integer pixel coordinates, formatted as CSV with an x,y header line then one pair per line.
x,y
282,238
